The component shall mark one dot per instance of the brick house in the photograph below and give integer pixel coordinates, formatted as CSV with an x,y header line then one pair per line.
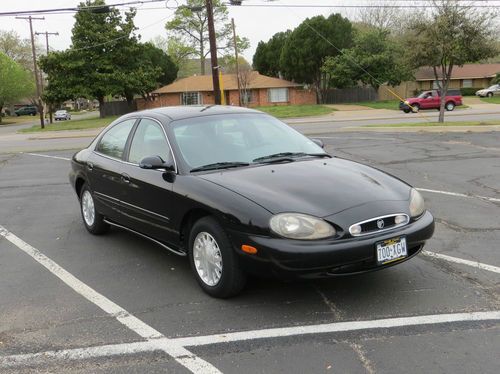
x,y
474,76
468,76
260,90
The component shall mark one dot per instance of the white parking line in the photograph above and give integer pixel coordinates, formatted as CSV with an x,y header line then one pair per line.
x,y
479,265
179,353
158,344
46,156
494,199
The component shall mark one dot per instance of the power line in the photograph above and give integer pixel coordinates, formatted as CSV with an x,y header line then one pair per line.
x,y
91,8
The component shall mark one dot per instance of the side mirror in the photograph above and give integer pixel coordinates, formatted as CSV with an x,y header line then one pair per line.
x,y
318,142
155,162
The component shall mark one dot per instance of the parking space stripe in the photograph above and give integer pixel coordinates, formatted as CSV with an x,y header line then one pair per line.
x,y
493,199
46,156
158,344
337,327
479,265
179,353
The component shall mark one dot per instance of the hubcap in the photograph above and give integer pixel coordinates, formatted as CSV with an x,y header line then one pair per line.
x,y
207,258
88,209
450,107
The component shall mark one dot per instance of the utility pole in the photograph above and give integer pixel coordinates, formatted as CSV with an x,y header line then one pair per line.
x,y
237,62
213,51
46,33
38,92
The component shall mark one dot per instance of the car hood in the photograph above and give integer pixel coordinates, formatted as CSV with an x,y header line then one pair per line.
x,y
319,187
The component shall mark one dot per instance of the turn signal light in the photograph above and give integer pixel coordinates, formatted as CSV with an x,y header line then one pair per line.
x,y
249,249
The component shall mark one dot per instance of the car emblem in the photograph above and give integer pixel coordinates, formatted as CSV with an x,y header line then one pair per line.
x,y
380,223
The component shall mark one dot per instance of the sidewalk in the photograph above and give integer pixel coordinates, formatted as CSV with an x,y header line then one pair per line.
x,y
366,114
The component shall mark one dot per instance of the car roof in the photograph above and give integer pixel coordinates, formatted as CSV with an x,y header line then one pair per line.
x,y
190,111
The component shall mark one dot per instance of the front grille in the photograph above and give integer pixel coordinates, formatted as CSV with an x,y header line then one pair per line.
x,y
378,224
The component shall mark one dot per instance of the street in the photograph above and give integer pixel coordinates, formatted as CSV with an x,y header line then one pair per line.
x,y
73,302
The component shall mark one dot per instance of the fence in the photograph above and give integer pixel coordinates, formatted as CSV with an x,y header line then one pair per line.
x,y
116,108
349,95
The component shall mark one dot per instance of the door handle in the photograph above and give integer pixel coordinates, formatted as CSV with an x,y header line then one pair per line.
x,y
90,166
125,178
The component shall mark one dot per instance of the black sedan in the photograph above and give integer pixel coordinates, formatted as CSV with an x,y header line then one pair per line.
x,y
239,192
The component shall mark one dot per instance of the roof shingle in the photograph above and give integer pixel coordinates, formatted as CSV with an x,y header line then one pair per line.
x,y
468,71
204,83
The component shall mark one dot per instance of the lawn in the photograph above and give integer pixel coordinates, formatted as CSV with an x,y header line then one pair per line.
x,y
81,124
8,120
289,111
431,124
491,100
383,104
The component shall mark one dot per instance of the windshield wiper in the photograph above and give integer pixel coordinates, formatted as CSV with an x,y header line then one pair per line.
x,y
220,165
288,156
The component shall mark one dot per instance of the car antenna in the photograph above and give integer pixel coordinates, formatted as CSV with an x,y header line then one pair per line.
x,y
207,107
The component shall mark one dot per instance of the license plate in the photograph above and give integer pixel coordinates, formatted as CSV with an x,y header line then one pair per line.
x,y
391,250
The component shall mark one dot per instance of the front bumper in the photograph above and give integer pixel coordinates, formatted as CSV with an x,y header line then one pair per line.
x,y
288,258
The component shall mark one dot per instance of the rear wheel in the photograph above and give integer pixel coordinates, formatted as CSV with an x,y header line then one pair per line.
x,y
450,106
213,260
407,110
93,221
489,94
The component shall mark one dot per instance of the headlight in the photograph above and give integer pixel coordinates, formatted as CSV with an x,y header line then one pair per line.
x,y
300,226
416,203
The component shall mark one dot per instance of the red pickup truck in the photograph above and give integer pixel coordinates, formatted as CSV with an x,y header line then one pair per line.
x,y
431,100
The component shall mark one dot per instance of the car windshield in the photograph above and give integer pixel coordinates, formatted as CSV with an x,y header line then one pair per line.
x,y
494,87
239,139
61,112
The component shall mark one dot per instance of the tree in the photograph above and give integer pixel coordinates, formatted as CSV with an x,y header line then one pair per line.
x,y
190,30
266,59
374,59
19,49
16,82
452,35
308,46
148,69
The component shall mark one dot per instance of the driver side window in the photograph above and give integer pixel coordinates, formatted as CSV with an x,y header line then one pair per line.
x,y
149,140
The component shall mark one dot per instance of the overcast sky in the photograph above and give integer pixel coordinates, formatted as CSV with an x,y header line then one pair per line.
x,y
254,23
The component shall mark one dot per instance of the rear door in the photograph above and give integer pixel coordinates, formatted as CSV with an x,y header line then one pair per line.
x,y
147,198
106,166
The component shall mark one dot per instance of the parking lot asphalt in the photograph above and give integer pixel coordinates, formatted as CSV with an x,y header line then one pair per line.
x,y
419,317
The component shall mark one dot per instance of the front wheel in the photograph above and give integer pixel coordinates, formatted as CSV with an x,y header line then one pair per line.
x,y
213,260
415,108
450,106
93,221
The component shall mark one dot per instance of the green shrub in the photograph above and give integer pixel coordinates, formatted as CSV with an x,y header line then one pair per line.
x,y
469,91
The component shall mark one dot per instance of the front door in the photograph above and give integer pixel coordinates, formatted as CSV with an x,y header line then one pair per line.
x,y
105,167
147,198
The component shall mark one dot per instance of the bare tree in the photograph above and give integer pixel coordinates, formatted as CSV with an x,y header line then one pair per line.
x,y
245,76
451,34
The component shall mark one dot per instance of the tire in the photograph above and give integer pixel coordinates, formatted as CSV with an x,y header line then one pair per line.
x,y
225,279
489,94
449,106
415,108
93,221
406,111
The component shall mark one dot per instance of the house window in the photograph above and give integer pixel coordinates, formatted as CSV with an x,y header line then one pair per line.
x,y
277,95
191,98
466,83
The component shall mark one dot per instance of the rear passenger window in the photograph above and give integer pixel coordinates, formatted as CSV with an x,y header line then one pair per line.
x,y
149,140
113,142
